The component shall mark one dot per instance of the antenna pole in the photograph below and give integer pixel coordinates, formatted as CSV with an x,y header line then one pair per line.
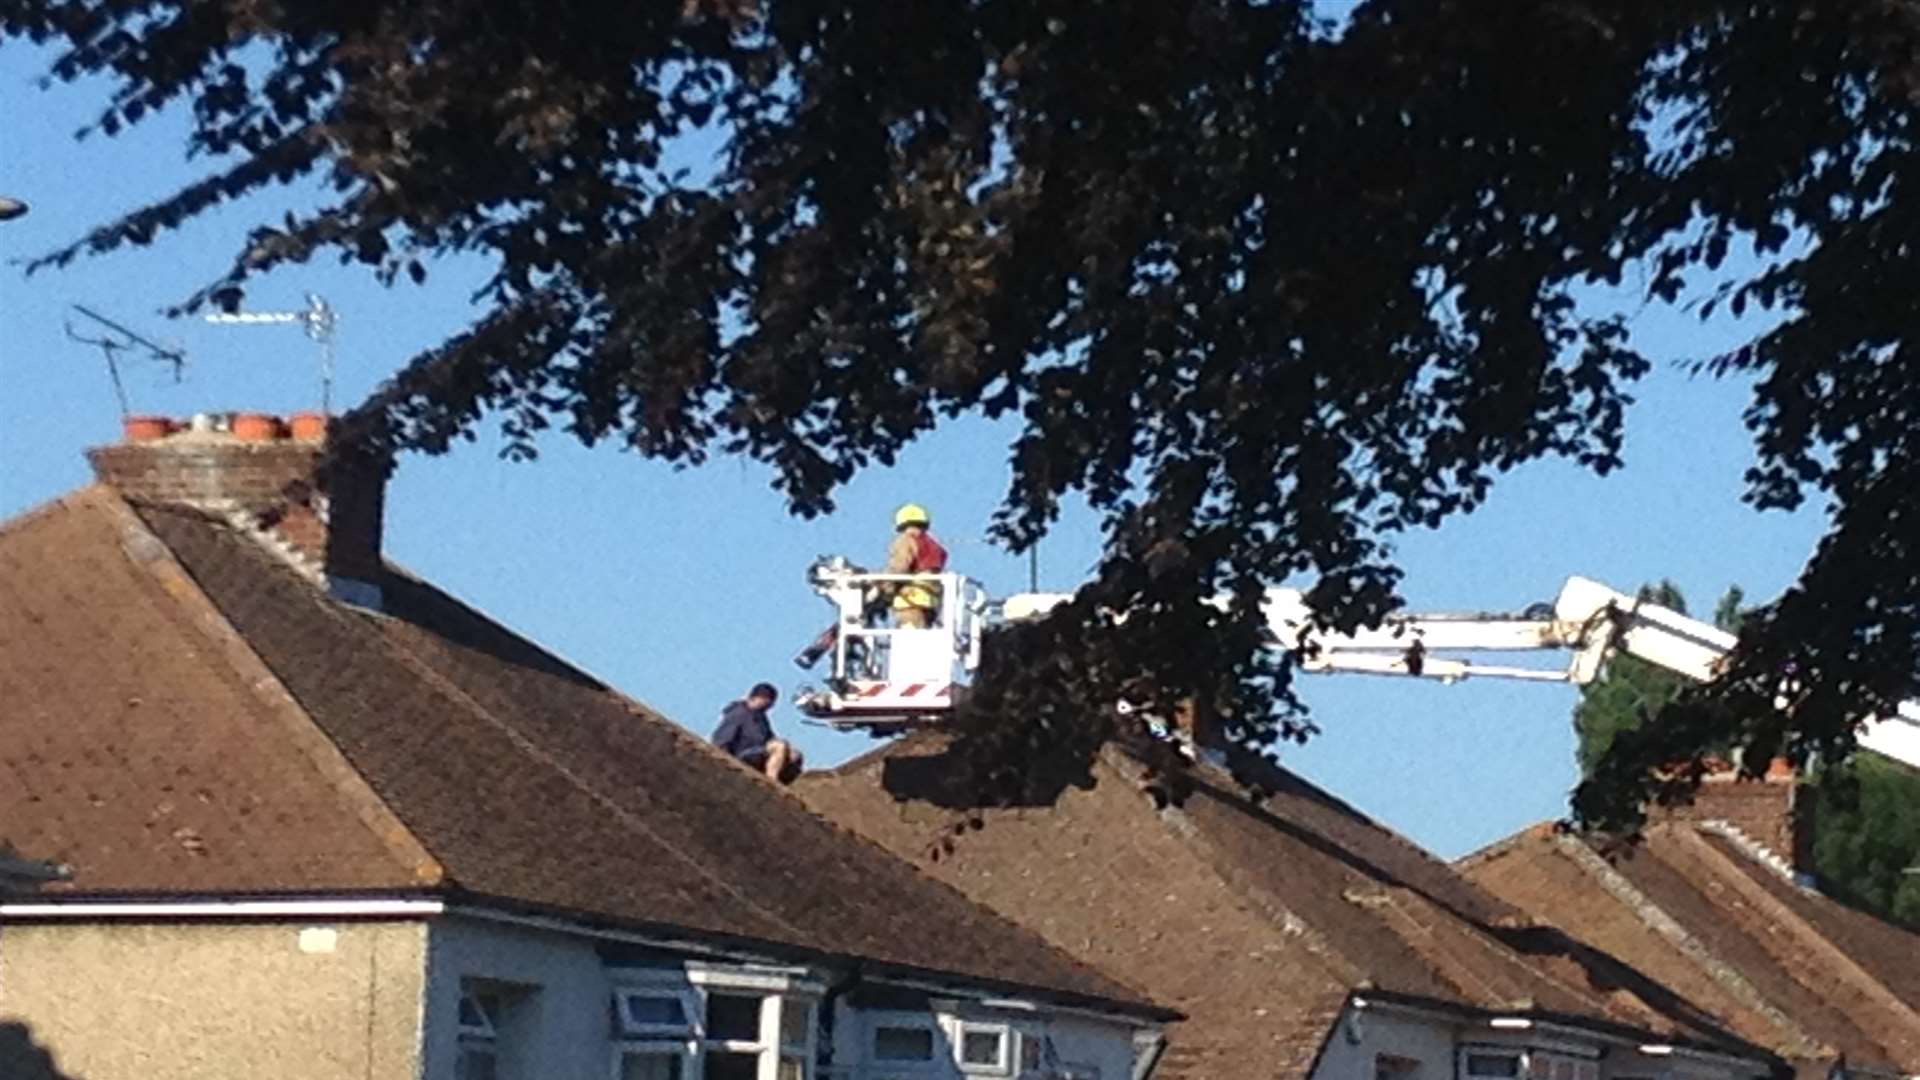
x,y
318,319
109,346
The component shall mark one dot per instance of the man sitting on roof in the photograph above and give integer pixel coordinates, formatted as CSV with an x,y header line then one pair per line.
x,y
747,734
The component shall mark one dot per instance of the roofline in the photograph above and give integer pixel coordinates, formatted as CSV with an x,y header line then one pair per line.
x,y
232,650
1739,1050
425,904
108,907
507,909
1538,830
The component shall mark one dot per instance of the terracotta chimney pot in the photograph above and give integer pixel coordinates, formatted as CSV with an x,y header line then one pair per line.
x,y
308,426
256,427
146,428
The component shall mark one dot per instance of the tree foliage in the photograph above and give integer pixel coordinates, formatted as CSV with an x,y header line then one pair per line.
x,y
1866,836
1866,810
1629,690
1268,290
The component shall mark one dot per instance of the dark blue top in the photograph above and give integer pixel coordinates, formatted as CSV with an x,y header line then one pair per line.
x,y
743,731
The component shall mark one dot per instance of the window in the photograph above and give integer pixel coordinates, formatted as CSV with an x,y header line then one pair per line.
x,y
734,1017
893,1042
796,1038
479,1056
681,1026
656,1029
732,1065
645,1013
1492,1065
1395,1067
983,1047
642,1063
796,1025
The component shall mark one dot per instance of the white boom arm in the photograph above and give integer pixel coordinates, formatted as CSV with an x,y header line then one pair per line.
x,y
1588,619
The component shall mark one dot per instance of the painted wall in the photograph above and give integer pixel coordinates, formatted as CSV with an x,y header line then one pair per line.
x,y
210,1001
558,1017
1374,1044
559,991
1359,1038
1080,1043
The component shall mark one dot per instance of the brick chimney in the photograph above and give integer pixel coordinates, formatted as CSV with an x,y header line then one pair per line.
x,y
323,513
1768,812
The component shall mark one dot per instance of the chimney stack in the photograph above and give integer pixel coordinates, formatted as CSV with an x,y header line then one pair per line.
x,y
269,476
1768,811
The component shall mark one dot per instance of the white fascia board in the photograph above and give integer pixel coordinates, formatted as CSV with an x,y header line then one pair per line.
x,y
321,908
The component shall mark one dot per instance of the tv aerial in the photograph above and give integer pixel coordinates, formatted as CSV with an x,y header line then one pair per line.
x,y
119,339
318,319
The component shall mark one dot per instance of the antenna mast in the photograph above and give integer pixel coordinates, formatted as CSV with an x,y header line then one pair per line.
x,y
126,341
318,318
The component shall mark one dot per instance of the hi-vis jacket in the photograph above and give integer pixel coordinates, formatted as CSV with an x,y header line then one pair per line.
x,y
915,551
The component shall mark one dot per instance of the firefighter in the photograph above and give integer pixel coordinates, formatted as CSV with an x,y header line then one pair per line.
x,y
914,551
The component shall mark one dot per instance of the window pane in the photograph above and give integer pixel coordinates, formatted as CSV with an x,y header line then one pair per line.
x,y
1493,1065
733,1016
980,1047
903,1044
796,1021
662,1010
474,1065
793,1069
732,1065
650,1066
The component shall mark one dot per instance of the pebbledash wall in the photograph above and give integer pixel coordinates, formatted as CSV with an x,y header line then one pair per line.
x,y
468,996
132,1000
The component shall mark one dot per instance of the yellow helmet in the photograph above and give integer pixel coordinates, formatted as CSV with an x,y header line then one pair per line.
x,y
911,514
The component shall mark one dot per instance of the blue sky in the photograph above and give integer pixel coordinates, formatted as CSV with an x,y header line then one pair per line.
x,y
683,588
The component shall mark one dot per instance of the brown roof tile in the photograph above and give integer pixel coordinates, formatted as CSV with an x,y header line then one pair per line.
x,y
528,781
130,746
1257,916
1781,965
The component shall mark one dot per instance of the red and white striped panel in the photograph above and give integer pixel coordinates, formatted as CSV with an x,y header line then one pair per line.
x,y
925,694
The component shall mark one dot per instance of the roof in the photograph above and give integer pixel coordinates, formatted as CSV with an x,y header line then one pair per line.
x,y
1257,905
1708,915
188,714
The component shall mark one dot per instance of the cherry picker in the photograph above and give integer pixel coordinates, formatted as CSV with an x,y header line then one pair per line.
x,y
887,679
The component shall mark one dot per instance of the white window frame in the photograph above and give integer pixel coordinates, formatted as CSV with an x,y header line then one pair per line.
x,y
910,1021
695,985
686,1050
628,1029
482,1037
1001,1066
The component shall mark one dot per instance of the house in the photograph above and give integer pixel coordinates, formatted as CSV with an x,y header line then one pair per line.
x,y
324,820
1715,902
1300,938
